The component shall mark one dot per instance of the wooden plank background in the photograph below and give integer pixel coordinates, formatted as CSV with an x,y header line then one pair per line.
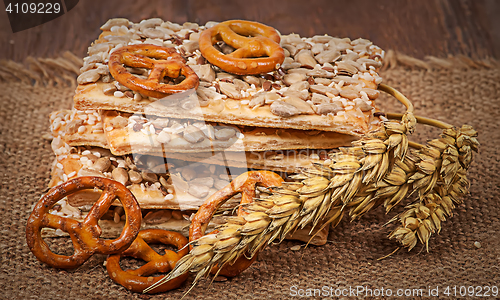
x,y
416,28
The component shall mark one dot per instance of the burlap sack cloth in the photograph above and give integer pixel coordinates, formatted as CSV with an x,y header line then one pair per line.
x,y
458,91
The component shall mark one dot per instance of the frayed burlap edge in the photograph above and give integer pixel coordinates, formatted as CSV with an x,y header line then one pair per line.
x,y
393,59
62,71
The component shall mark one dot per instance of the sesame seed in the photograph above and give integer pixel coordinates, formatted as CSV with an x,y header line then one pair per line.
x,y
118,94
169,197
81,129
314,156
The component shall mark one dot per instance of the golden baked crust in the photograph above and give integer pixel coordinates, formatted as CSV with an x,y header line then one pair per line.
x,y
284,160
127,133
324,83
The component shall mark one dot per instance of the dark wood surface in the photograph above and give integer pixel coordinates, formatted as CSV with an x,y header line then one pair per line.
x,y
416,28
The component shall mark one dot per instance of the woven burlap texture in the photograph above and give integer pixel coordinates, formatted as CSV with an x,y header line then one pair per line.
x,y
469,94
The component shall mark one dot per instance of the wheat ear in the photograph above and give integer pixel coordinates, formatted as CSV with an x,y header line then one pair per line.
x,y
440,179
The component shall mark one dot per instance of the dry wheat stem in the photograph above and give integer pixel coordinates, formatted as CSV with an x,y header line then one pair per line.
x,y
377,169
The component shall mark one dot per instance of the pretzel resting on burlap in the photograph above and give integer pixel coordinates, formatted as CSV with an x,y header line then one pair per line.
x,y
257,47
139,279
163,62
244,184
84,235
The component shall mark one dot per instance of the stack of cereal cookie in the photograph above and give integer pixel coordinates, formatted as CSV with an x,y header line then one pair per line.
x,y
174,112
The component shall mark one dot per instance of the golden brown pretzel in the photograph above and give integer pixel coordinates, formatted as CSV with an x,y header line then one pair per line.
x,y
244,184
248,56
85,235
167,62
139,279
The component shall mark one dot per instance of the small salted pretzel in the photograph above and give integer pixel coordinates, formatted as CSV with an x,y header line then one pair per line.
x,y
140,279
85,235
163,62
244,184
248,56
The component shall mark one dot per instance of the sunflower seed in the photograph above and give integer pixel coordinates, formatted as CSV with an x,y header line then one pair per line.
x,y
318,88
292,78
230,90
284,109
90,172
257,100
102,164
199,191
291,49
320,99
317,48
150,23
89,76
326,108
362,105
252,80
204,72
163,137
193,134
148,176
301,105
306,59
349,93
299,86
327,56
206,181
322,81
320,73
225,134
188,173
346,68
120,175
371,93
115,22
191,46
135,177
369,62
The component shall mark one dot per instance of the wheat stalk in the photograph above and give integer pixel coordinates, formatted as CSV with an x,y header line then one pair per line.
x,y
377,169
441,181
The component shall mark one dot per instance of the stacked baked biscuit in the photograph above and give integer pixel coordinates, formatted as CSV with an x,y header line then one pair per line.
x,y
222,114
